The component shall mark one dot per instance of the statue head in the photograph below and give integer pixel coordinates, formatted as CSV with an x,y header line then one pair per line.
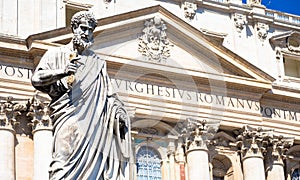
x,y
83,24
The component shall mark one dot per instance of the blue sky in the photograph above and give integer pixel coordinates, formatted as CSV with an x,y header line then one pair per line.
x,y
288,6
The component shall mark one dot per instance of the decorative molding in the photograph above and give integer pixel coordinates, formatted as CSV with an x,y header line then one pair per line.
x,y
9,112
262,31
148,130
240,21
153,44
198,133
189,9
40,114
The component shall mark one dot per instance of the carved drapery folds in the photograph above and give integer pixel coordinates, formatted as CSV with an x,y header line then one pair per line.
x,y
239,21
153,44
9,111
262,31
189,9
39,112
198,134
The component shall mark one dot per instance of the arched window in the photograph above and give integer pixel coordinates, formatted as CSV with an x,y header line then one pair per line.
x,y
148,164
296,174
222,168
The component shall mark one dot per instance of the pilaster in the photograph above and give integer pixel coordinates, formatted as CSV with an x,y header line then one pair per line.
x,y
42,136
9,112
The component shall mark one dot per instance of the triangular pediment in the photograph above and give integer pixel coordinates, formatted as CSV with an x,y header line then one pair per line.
x,y
191,51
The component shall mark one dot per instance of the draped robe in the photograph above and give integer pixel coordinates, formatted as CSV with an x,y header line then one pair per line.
x,y
91,138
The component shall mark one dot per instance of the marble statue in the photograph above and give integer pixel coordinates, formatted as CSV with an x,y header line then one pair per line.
x,y
91,126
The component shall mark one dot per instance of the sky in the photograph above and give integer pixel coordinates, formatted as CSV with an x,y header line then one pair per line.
x,y
288,6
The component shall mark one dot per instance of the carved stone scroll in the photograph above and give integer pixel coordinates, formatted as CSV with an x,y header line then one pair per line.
x,y
189,9
239,21
262,31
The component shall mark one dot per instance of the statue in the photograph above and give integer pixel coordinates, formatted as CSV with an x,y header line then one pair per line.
x,y
91,126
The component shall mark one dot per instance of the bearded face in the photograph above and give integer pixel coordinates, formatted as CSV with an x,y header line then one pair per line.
x,y
83,35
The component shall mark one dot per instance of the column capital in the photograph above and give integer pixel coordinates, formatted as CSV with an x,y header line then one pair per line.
x,y
253,141
9,112
278,147
197,134
40,114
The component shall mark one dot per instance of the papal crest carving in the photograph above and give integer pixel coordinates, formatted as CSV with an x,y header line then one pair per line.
x,y
153,44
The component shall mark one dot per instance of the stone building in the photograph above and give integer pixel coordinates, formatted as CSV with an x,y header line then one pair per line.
x,y
212,86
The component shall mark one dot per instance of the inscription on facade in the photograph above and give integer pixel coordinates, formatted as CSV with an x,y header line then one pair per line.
x,y
202,98
15,72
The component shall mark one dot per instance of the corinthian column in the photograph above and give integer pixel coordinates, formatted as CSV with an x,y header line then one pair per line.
x,y
8,113
278,146
42,138
252,142
197,135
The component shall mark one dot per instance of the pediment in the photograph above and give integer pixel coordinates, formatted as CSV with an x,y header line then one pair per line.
x,y
289,42
190,51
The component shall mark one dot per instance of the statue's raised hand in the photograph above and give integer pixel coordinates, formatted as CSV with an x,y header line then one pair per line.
x,y
72,66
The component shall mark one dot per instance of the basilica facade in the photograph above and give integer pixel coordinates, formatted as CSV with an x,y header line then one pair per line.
x,y
212,87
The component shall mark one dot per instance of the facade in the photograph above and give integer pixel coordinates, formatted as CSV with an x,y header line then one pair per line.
x,y
212,86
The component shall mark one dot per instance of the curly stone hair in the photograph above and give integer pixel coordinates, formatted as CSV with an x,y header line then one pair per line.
x,y
75,21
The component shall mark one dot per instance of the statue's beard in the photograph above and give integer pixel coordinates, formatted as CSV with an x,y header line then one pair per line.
x,y
80,43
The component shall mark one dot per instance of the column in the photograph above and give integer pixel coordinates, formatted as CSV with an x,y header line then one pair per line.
x,y
251,142
198,135
42,138
274,159
171,157
8,114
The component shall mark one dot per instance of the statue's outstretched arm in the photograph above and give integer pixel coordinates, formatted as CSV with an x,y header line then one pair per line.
x,y
43,77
